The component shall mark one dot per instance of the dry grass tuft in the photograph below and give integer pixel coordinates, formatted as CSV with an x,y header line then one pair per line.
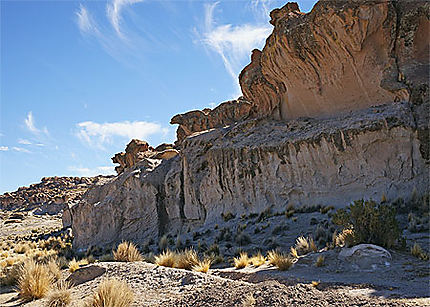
x,y
294,253
320,261
258,260
249,301
345,238
418,252
166,258
312,245
35,280
281,261
203,266
241,261
73,265
54,270
127,252
60,296
111,293
186,259
315,283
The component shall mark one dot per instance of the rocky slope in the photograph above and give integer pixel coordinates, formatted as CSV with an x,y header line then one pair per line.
x,y
50,195
357,67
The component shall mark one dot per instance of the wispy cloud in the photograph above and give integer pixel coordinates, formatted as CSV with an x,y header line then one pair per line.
x,y
113,12
85,21
4,148
232,43
24,142
90,172
20,149
96,134
29,122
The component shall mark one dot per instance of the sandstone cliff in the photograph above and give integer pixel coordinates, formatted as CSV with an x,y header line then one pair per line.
x,y
359,68
343,55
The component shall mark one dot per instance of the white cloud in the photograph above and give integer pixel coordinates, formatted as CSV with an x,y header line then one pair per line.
x,y
90,172
233,43
85,21
4,148
20,149
113,12
24,142
96,134
31,126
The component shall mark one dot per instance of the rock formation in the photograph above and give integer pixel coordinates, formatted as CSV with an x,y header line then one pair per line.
x,y
50,195
342,56
357,67
225,114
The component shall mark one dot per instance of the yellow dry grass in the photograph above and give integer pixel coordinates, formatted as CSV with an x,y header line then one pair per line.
x,y
73,265
203,266
241,261
258,260
127,252
35,280
111,293
320,261
60,296
281,261
166,258
186,259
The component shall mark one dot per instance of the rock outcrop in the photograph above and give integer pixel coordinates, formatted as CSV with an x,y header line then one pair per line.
x,y
342,56
255,165
359,68
225,114
50,195
138,150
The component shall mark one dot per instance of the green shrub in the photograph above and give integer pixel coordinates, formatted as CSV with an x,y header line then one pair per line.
x,y
372,223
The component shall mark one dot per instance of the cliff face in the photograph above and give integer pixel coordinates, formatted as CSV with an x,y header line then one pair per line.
x,y
342,56
359,68
255,165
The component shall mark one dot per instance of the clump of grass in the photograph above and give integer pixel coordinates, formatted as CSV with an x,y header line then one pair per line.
x,y
243,239
73,265
111,293
54,269
35,281
185,260
281,261
294,253
249,301
241,261
320,261
203,266
257,260
127,252
60,296
167,258
418,252
315,283
227,216
345,238
305,245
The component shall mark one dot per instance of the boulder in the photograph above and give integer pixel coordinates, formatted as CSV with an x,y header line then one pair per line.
x,y
365,256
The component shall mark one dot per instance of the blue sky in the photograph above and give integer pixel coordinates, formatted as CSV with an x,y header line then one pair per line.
x,y
79,79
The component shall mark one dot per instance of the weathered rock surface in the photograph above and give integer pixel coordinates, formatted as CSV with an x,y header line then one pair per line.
x,y
225,114
342,56
50,195
255,165
366,256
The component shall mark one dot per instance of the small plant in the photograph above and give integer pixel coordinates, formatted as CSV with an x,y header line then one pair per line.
x,y
35,281
257,260
345,238
249,301
111,293
294,253
372,223
213,249
227,216
203,266
315,283
186,259
305,245
243,239
60,296
281,261
54,270
320,261
127,252
241,261
166,258
73,265
418,252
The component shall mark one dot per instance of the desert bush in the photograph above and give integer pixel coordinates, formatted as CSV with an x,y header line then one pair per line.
x,y
320,261
34,280
257,260
59,296
127,252
418,252
243,239
167,258
186,259
203,265
345,238
213,249
111,293
281,261
241,261
372,223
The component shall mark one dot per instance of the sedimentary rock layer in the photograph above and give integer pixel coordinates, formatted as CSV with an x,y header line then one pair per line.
x,y
255,165
343,55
